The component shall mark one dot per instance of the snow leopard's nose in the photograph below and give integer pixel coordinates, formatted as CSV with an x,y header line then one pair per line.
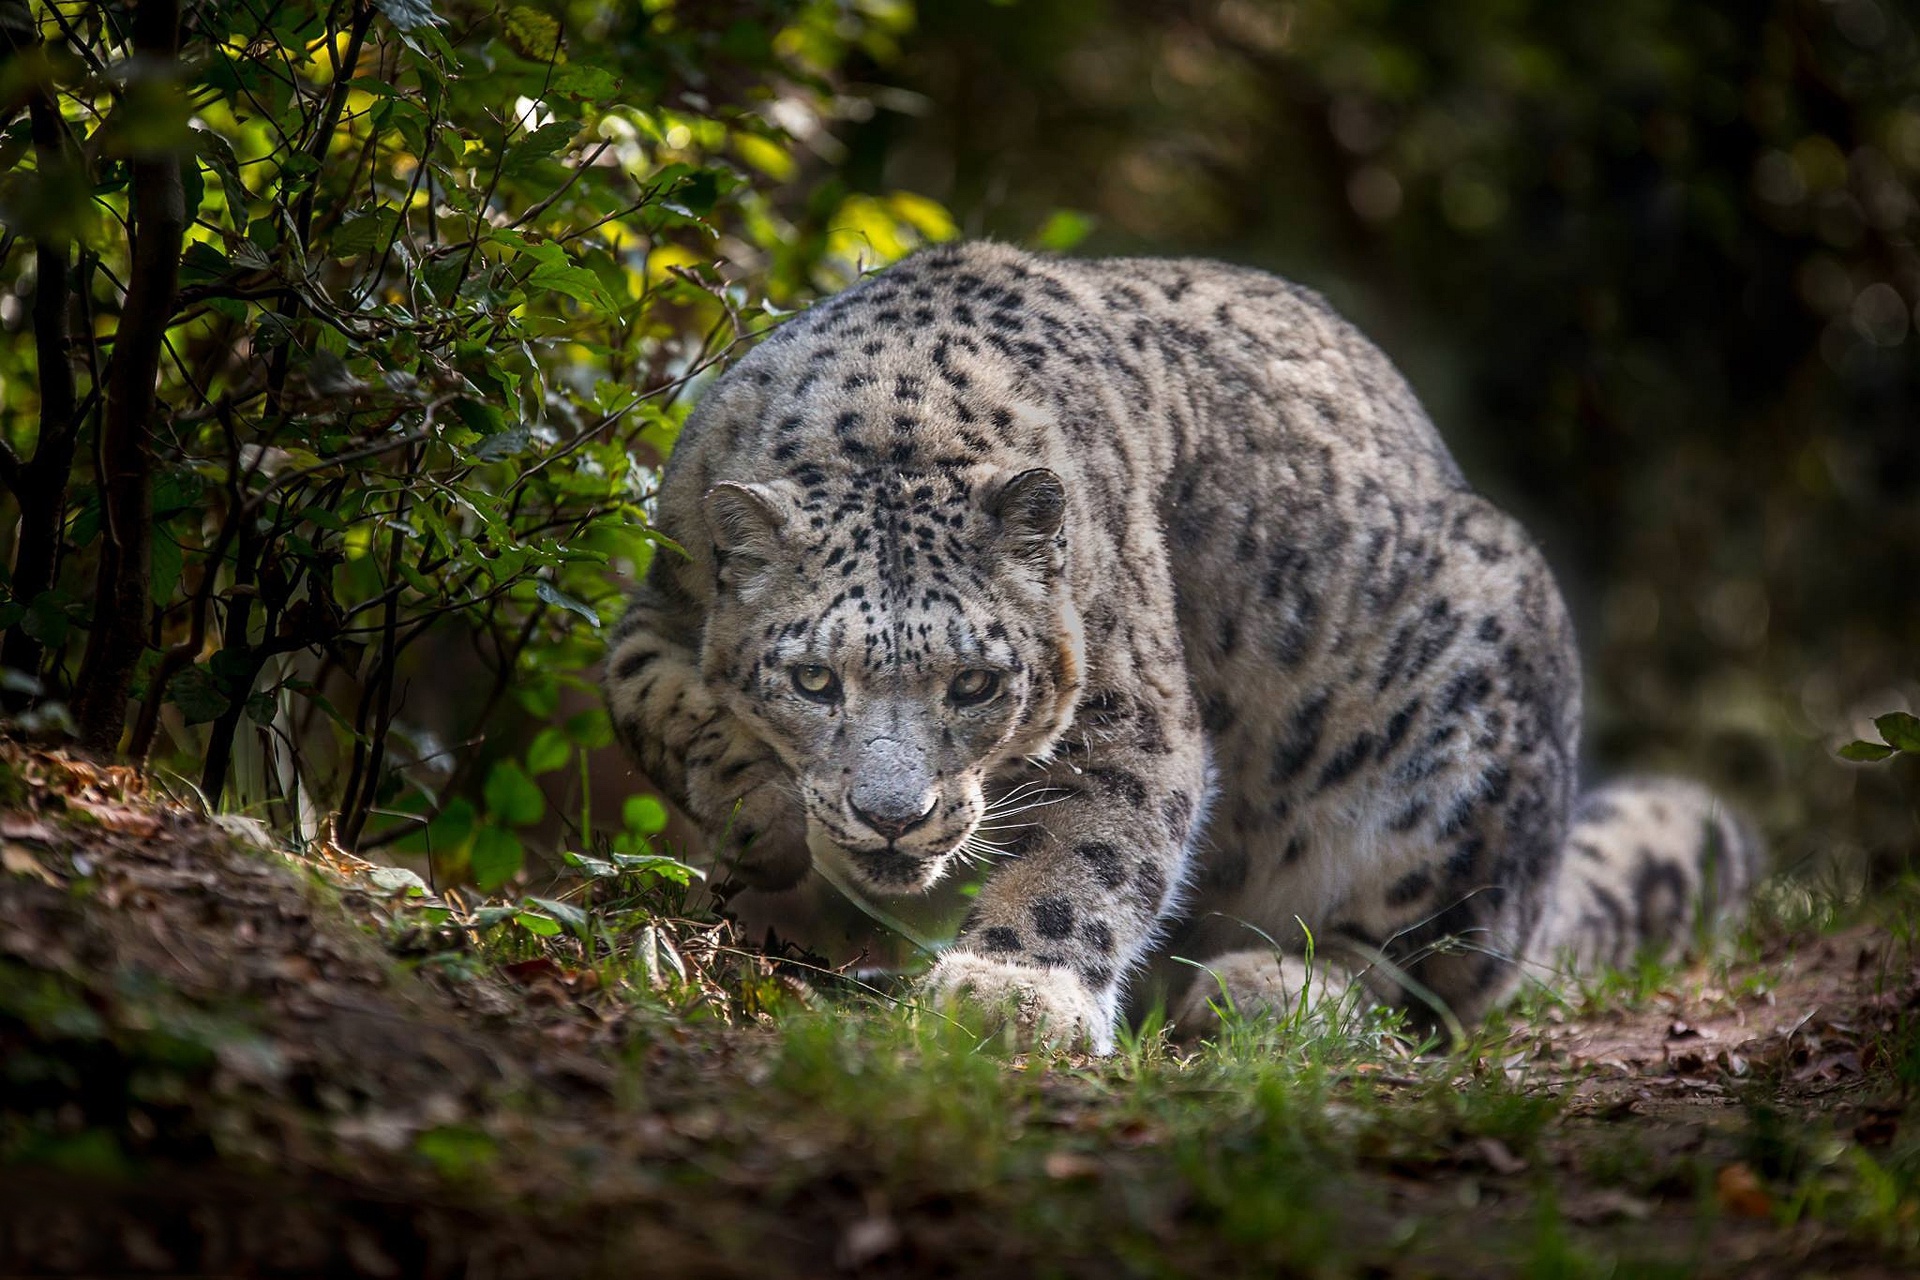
x,y
891,791
894,824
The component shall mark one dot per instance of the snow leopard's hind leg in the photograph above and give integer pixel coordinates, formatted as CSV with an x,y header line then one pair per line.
x,y
1268,984
1652,867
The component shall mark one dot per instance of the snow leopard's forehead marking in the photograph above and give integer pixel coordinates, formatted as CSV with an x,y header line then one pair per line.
x,y
896,574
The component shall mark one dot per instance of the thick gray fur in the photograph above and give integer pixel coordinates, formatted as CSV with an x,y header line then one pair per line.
x,y
1264,658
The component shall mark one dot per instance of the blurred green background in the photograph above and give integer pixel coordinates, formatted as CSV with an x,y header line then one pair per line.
x,y
455,270
1650,265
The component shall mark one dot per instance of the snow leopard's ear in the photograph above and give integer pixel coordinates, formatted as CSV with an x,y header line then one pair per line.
x,y
1031,508
747,523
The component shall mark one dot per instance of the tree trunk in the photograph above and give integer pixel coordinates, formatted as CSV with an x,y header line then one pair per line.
x,y
158,223
40,484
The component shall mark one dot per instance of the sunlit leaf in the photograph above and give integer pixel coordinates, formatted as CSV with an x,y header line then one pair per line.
x,y
1063,229
643,814
534,922
532,34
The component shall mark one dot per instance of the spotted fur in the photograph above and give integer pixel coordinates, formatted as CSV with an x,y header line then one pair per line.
x,y
1258,654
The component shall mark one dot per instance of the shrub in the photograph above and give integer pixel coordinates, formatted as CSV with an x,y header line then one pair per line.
x,y
362,326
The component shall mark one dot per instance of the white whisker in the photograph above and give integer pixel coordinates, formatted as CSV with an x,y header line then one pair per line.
x,y
1003,811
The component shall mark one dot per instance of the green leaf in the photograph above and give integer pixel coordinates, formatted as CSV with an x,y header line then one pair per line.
x,y
561,600
496,858
218,154
408,15
644,814
201,263
535,923
557,273
539,145
658,865
397,880
502,444
360,233
332,712
1865,752
579,81
197,695
592,868
46,620
512,796
531,33
482,417
1900,730
456,1151
592,728
452,826
416,579
164,559
565,912
14,142
550,750
1063,229
540,698
193,186
577,283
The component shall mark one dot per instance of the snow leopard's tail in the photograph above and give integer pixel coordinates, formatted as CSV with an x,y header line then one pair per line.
x,y
1652,866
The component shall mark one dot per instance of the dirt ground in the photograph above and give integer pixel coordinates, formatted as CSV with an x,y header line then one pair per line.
x,y
216,1058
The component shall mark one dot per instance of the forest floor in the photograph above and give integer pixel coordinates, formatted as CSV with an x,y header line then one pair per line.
x,y
221,1058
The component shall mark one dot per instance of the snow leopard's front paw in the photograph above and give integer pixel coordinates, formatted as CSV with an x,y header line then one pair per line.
x,y
1044,1006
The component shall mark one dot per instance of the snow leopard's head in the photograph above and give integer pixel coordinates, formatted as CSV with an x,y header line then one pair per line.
x,y
896,637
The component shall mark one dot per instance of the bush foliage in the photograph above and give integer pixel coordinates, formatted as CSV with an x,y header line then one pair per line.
x,y
344,341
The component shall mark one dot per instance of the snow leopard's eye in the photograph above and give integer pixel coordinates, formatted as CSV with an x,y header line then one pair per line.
x,y
973,686
816,682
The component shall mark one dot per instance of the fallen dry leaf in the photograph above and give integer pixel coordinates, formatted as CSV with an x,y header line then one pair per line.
x,y
19,861
538,969
1878,1128
24,826
866,1239
1740,1193
1606,1205
1832,1066
119,818
1066,1166
1499,1156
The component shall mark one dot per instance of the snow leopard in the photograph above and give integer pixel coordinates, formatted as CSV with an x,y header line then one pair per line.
x,y
1149,583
